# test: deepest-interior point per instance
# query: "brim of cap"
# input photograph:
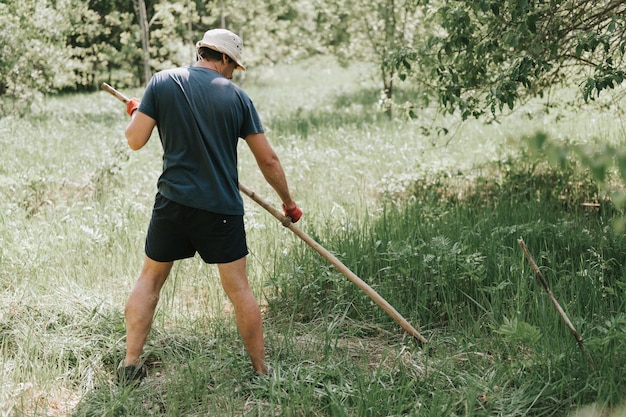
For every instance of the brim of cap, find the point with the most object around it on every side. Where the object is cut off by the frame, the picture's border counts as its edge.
(240, 66)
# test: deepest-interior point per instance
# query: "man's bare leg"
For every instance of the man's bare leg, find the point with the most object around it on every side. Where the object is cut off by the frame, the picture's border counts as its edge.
(247, 313)
(141, 305)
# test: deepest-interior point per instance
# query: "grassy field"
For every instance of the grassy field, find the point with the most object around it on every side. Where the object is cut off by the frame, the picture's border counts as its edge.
(431, 222)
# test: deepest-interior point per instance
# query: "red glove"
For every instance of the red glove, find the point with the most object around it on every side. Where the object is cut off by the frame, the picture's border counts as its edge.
(294, 212)
(131, 106)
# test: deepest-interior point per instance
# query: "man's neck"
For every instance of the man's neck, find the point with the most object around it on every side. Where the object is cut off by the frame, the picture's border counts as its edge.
(212, 65)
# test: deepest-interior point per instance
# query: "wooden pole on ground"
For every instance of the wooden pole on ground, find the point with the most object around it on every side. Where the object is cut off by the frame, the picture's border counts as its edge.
(554, 301)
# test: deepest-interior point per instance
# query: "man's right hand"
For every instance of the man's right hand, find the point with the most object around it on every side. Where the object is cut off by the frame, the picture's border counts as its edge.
(294, 212)
(132, 106)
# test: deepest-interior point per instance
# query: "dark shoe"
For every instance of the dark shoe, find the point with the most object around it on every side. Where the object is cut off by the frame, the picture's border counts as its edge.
(131, 375)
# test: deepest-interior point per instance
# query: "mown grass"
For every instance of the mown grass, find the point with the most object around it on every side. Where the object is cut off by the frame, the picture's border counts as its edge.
(432, 227)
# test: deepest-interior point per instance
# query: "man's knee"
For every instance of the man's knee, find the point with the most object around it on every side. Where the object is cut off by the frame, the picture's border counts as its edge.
(241, 297)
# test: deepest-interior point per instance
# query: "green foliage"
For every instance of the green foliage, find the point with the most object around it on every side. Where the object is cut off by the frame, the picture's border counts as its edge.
(33, 53)
(519, 332)
(487, 55)
(103, 45)
(62, 45)
(475, 58)
(383, 32)
(75, 45)
(606, 164)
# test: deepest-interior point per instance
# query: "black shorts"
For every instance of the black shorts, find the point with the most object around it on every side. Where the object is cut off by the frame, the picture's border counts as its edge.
(177, 232)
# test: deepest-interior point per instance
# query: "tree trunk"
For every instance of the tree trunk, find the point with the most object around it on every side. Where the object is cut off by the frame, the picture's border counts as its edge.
(389, 95)
(388, 90)
(142, 16)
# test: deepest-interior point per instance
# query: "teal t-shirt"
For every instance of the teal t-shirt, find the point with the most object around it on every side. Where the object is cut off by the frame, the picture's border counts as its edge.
(200, 116)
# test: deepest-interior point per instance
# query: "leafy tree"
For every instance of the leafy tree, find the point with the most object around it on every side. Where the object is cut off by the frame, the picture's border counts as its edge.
(174, 30)
(33, 50)
(382, 31)
(169, 34)
(103, 45)
(272, 30)
(50, 46)
(486, 55)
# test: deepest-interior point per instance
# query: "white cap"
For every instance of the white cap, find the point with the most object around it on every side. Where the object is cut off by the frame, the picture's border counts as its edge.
(224, 41)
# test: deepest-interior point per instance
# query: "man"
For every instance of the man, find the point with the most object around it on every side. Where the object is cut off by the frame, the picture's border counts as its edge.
(200, 116)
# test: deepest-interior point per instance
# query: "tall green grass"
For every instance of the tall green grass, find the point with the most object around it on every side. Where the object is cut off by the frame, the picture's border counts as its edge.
(430, 222)
(448, 259)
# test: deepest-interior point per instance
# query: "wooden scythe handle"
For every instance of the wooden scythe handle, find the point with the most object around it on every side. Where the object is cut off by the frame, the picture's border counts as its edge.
(121, 97)
(286, 221)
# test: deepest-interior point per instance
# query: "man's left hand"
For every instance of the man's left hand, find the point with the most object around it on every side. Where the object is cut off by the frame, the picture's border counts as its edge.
(132, 106)
(293, 212)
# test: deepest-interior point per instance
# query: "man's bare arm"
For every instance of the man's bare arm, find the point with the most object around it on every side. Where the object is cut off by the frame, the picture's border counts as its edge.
(139, 130)
(270, 166)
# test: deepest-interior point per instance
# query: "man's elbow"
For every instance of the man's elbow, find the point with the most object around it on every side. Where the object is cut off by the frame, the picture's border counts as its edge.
(268, 160)
(133, 142)
(134, 146)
